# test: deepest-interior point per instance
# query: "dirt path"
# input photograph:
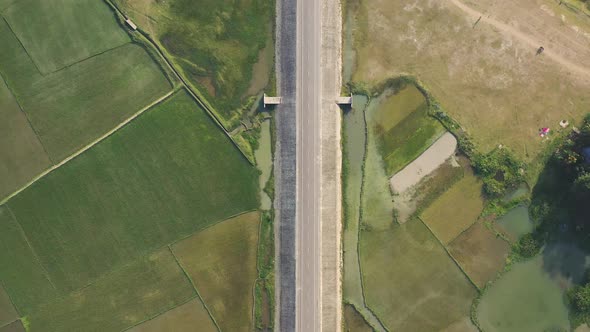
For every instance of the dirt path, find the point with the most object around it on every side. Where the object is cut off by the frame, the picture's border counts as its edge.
(533, 43)
(88, 146)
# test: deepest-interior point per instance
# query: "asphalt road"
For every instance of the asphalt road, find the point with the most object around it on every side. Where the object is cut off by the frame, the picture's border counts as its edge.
(308, 105)
(286, 165)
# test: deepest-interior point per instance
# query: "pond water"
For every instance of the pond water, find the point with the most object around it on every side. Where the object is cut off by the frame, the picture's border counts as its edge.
(264, 163)
(517, 193)
(524, 299)
(516, 222)
(353, 155)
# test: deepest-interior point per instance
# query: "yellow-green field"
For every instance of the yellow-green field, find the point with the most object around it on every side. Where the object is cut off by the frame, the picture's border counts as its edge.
(221, 261)
(122, 298)
(191, 316)
(23, 156)
(456, 209)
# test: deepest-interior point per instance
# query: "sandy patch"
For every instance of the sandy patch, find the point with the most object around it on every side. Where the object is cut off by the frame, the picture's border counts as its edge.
(428, 161)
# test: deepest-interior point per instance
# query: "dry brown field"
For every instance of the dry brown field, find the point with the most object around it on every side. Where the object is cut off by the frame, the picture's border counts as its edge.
(485, 75)
(480, 253)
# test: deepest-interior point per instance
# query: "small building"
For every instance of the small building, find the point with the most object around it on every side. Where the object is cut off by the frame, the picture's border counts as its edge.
(268, 101)
(131, 24)
(344, 101)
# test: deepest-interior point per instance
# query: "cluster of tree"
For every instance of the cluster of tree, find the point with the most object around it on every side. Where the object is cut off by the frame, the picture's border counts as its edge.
(576, 163)
(579, 299)
(500, 171)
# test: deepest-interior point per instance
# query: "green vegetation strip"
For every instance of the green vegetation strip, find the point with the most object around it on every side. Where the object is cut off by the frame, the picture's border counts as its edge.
(215, 44)
(164, 176)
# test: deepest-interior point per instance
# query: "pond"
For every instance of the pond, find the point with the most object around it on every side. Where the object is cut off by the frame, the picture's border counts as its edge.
(516, 222)
(520, 191)
(524, 299)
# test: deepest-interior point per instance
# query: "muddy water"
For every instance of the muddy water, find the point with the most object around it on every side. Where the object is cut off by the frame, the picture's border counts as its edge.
(516, 222)
(377, 201)
(527, 298)
(264, 163)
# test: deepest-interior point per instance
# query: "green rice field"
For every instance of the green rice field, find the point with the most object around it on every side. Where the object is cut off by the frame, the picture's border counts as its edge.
(72, 107)
(141, 188)
(404, 129)
(59, 33)
(23, 156)
(221, 261)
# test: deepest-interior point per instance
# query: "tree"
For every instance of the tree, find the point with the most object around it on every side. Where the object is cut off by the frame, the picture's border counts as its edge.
(580, 299)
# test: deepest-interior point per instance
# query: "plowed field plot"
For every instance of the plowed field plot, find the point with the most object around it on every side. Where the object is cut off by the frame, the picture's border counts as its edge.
(221, 261)
(480, 253)
(23, 156)
(189, 317)
(224, 47)
(7, 312)
(58, 33)
(456, 209)
(166, 175)
(74, 106)
(121, 299)
(410, 281)
(13, 327)
(353, 321)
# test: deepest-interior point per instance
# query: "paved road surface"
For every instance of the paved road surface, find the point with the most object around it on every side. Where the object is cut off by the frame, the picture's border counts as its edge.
(285, 164)
(308, 105)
